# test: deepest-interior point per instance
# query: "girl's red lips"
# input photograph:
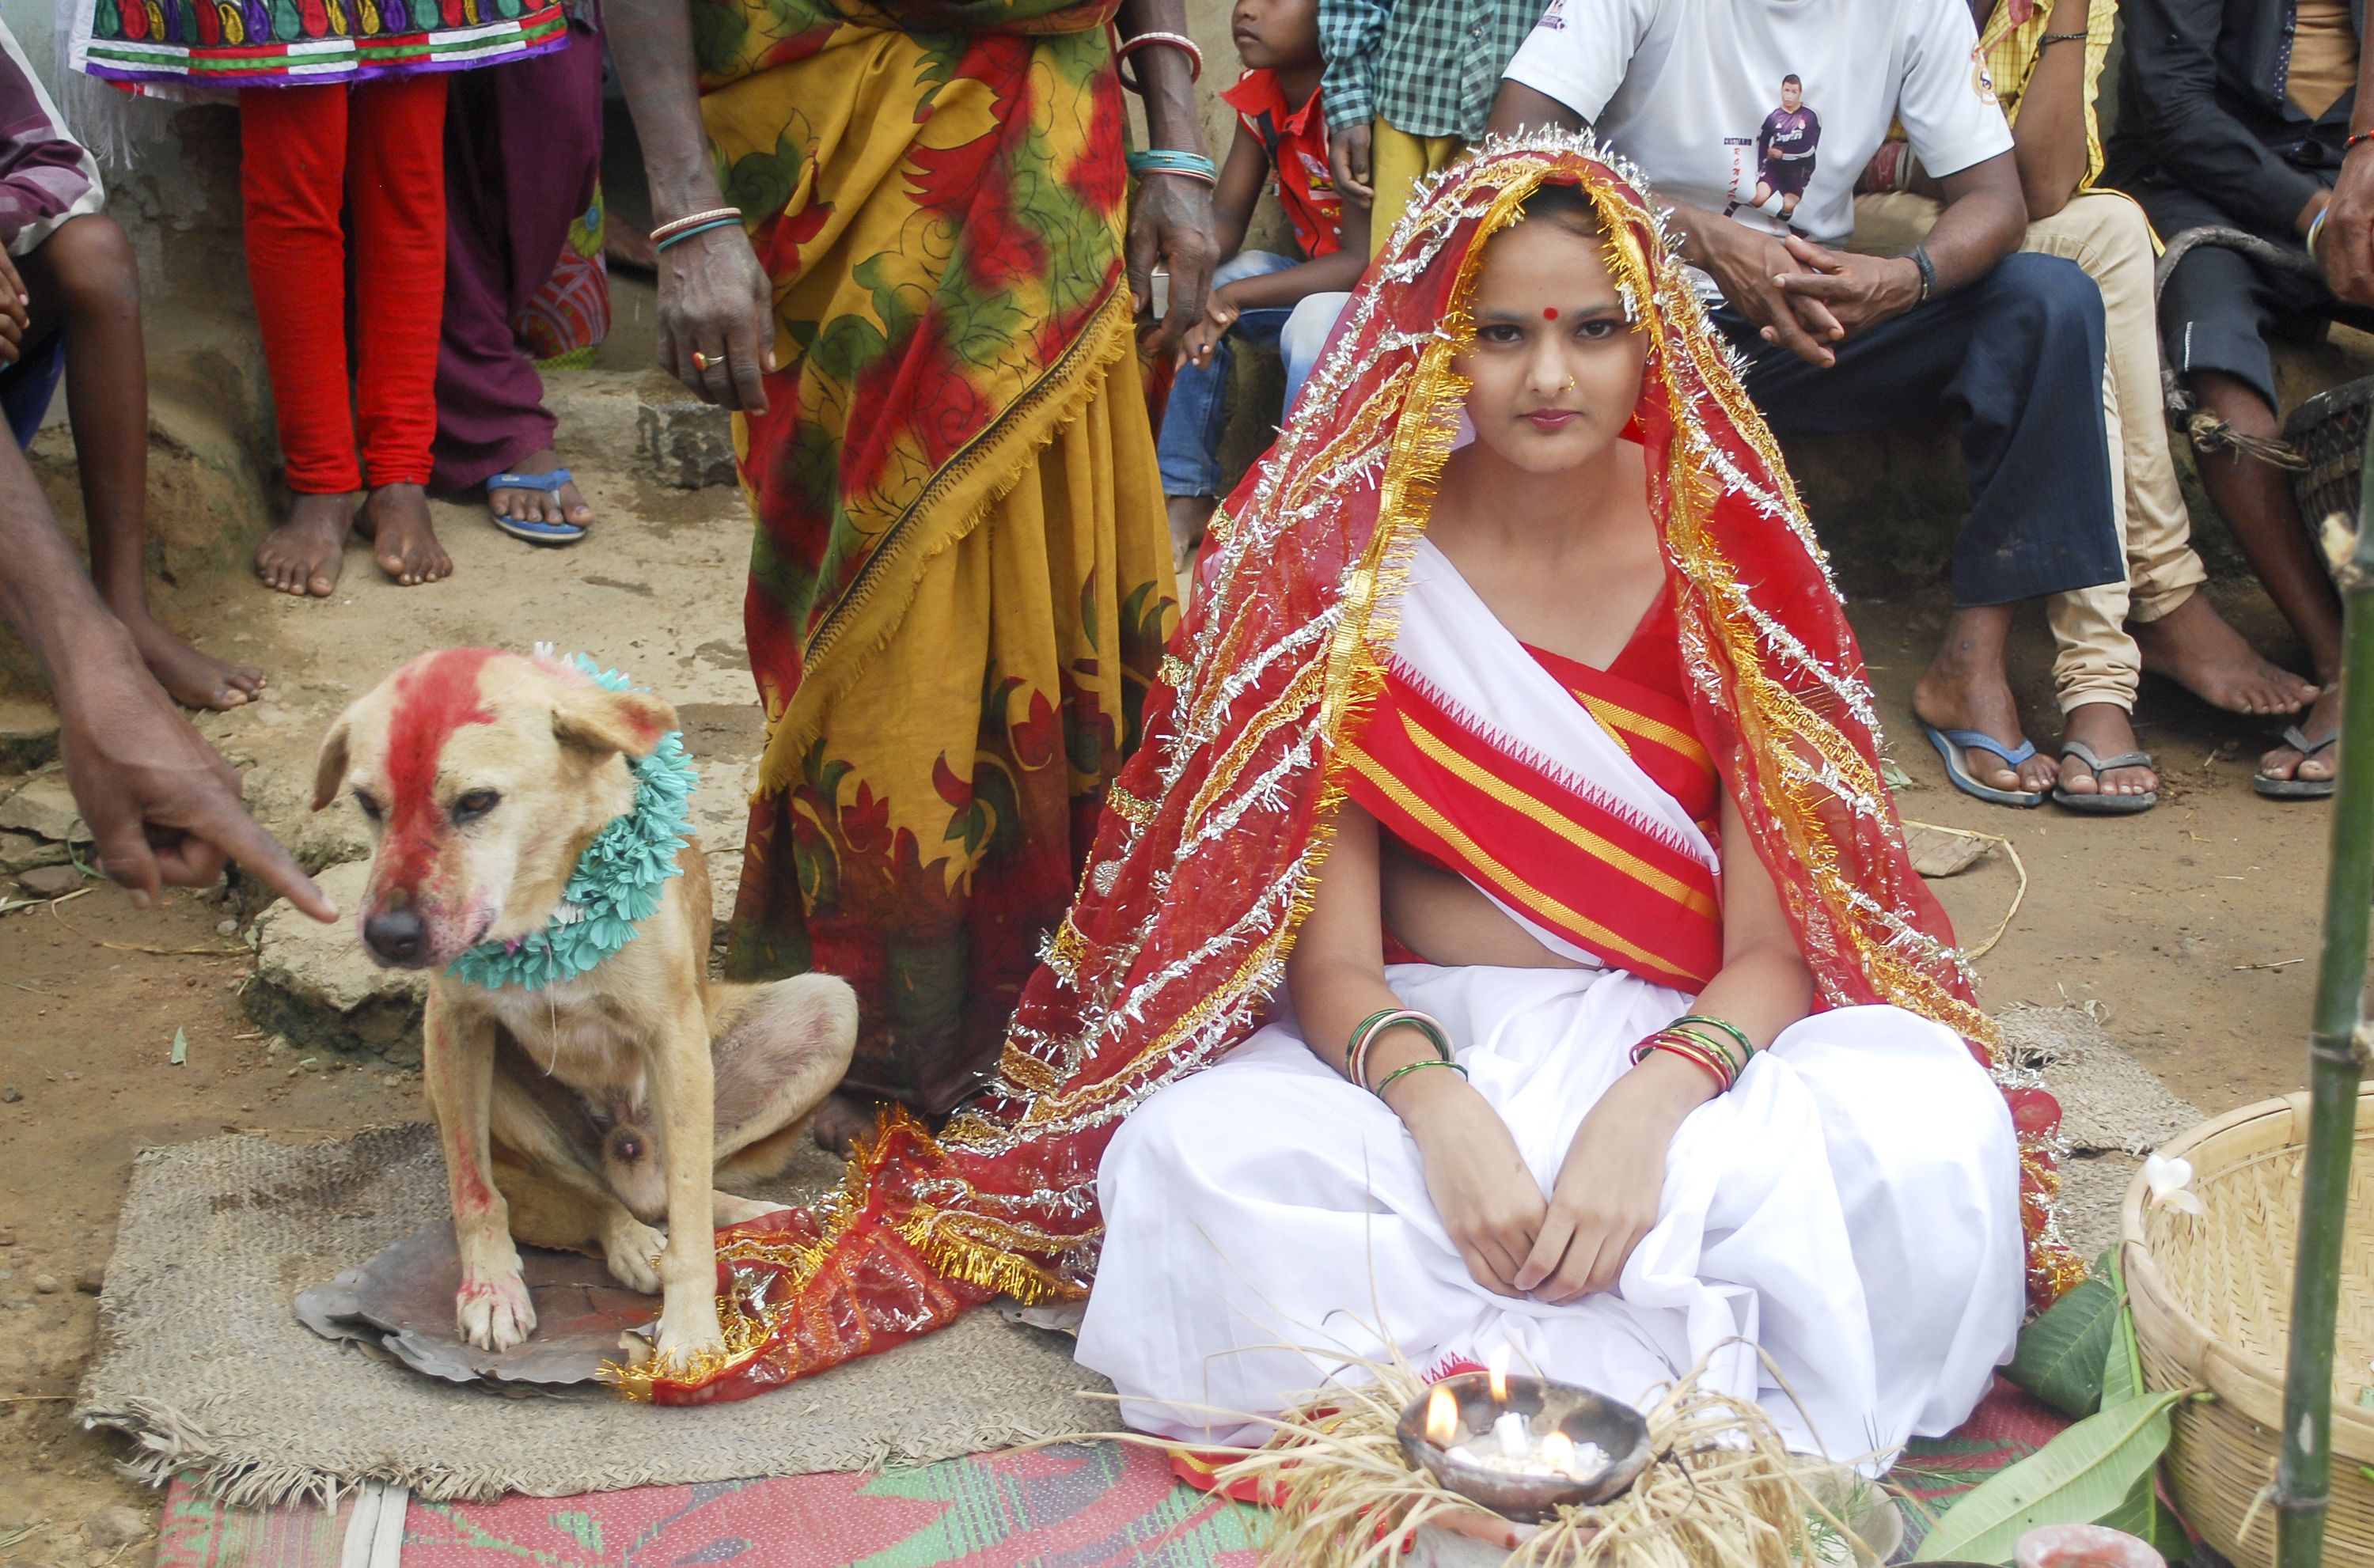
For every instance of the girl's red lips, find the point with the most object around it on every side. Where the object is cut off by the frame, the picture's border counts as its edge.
(1551, 418)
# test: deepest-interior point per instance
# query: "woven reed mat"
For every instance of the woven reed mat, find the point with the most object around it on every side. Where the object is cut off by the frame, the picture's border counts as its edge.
(203, 1363)
(2113, 1112)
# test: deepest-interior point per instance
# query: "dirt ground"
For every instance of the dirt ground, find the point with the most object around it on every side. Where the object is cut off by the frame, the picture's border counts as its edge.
(2194, 925)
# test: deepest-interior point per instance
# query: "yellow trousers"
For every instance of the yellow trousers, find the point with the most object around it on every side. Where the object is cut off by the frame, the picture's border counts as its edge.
(1397, 162)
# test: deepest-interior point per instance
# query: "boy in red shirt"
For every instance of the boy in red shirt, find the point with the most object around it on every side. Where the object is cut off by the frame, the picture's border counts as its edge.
(1259, 296)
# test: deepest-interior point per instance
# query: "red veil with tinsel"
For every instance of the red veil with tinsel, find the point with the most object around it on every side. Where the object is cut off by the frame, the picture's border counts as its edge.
(1205, 856)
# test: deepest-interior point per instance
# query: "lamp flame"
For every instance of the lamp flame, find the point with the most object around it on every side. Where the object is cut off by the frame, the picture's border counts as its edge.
(1441, 1417)
(1558, 1453)
(1497, 1367)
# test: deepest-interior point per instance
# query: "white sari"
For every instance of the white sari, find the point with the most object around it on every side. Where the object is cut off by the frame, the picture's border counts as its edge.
(1849, 1208)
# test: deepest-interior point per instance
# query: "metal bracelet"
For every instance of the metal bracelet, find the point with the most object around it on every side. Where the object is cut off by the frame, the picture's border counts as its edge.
(681, 225)
(1928, 273)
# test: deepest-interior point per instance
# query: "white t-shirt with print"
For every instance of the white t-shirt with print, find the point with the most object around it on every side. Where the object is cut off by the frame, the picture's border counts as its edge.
(1692, 91)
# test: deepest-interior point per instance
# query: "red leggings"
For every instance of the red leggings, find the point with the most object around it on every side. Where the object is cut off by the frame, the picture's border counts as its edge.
(381, 145)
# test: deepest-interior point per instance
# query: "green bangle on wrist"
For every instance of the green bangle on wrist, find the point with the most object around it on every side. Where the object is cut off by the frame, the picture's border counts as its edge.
(1422, 1062)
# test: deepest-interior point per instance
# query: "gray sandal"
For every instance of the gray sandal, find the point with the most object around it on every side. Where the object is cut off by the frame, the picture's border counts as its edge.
(2098, 803)
(2296, 788)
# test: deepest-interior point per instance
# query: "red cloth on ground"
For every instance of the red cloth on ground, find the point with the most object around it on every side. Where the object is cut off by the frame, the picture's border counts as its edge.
(379, 145)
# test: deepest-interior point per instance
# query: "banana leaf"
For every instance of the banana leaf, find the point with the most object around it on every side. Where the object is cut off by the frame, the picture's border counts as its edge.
(2080, 1478)
(2061, 1355)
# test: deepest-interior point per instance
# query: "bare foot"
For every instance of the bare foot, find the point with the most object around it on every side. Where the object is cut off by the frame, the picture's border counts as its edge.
(1188, 514)
(190, 677)
(566, 505)
(840, 1121)
(2322, 721)
(305, 554)
(2193, 645)
(1960, 699)
(2105, 728)
(394, 517)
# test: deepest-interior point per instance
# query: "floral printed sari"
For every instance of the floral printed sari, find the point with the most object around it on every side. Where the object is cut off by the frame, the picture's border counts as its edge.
(962, 579)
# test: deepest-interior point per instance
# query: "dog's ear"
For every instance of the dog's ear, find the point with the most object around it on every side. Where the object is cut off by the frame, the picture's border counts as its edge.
(600, 722)
(330, 771)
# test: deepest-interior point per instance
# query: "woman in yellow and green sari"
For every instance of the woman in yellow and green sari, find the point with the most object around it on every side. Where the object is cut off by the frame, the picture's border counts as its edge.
(961, 580)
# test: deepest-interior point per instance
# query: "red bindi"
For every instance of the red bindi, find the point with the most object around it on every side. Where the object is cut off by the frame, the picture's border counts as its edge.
(1551, 315)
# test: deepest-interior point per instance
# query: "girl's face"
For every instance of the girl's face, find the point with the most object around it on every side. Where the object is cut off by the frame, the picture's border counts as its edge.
(1554, 369)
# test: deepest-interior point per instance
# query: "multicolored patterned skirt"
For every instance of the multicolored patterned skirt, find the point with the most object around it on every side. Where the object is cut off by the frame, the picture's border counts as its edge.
(961, 582)
(257, 43)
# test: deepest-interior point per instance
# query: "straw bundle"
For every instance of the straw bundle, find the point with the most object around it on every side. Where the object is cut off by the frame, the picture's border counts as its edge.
(1724, 1491)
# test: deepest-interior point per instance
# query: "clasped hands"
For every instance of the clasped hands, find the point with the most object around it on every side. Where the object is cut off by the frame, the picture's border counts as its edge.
(1804, 296)
(1575, 1242)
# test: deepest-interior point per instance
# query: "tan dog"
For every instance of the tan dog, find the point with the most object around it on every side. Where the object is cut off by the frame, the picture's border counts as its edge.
(573, 1114)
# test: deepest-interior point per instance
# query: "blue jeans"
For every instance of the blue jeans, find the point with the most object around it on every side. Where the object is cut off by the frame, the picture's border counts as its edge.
(1196, 414)
(2016, 360)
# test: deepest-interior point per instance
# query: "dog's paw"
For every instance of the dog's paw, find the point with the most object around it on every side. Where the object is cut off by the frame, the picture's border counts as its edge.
(689, 1334)
(494, 1314)
(632, 1249)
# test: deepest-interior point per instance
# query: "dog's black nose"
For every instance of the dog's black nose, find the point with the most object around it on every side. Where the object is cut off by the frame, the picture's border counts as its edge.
(399, 936)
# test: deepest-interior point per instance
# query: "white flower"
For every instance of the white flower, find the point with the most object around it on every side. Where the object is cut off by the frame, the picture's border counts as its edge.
(544, 650)
(2170, 1182)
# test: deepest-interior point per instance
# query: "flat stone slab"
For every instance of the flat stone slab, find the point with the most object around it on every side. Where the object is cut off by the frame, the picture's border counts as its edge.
(315, 984)
(45, 808)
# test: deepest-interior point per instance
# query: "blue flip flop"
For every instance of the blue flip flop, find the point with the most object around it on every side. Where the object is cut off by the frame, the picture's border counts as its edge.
(536, 531)
(1951, 743)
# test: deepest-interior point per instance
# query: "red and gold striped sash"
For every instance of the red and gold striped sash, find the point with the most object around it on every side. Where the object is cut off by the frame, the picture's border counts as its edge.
(1535, 837)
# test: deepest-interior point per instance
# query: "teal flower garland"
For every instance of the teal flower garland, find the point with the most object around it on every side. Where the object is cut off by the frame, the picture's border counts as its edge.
(618, 881)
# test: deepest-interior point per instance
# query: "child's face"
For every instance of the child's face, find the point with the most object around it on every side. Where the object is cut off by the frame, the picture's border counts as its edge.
(1272, 35)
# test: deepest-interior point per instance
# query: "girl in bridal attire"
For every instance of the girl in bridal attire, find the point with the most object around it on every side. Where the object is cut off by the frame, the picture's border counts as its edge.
(1503, 936)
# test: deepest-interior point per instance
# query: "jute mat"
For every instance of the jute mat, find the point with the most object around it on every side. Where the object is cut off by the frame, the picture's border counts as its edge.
(204, 1363)
(2113, 1112)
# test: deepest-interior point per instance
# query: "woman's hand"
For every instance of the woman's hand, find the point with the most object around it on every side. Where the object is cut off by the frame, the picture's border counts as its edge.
(1488, 1199)
(717, 317)
(1171, 222)
(1608, 1188)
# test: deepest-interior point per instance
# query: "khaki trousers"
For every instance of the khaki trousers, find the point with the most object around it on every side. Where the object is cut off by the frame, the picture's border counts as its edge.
(2095, 660)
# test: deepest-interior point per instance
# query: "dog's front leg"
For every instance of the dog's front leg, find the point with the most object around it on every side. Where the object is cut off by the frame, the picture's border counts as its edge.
(682, 1094)
(491, 1308)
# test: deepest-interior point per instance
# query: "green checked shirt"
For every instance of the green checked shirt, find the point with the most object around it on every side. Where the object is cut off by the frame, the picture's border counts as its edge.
(1430, 67)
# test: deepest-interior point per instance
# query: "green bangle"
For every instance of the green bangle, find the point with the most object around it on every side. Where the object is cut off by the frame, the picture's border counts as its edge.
(1361, 1031)
(1412, 1067)
(1734, 1030)
(1709, 1042)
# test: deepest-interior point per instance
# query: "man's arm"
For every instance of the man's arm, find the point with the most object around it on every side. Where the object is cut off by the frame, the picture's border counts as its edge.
(161, 804)
(2345, 244)
(1984, 221)
(1521, 108)
(2171, 48)
(2048, 142)
(1350, 32)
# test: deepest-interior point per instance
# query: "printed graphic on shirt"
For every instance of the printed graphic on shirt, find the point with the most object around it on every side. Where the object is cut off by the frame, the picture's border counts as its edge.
(1778, 162)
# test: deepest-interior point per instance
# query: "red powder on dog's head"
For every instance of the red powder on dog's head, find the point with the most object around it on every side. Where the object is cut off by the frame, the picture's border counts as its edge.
(434, 697)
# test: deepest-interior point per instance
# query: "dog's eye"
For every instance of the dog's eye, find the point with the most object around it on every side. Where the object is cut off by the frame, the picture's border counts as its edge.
(474, 804)
(370, 807)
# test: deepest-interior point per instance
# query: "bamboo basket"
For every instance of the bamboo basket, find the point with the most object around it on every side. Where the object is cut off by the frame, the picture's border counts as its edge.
(2212, 1302)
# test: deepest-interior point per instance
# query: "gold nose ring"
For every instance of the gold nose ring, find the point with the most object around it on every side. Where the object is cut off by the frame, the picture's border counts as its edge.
(1569, 384)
